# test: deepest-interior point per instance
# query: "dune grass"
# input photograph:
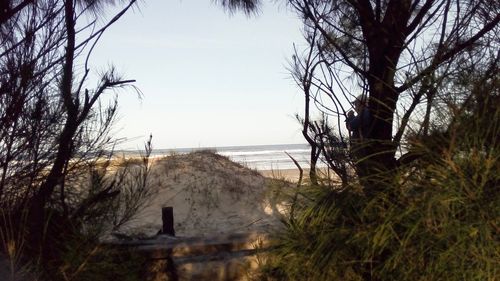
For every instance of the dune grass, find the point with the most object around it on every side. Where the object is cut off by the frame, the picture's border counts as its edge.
(437, 218)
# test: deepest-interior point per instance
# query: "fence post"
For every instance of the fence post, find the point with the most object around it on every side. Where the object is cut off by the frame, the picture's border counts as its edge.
(167, 217)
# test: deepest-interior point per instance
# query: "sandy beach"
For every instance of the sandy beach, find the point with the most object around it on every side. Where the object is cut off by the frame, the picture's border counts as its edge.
(291, 175)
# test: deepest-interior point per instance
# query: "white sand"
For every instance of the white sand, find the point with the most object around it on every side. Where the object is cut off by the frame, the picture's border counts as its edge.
(291, 175)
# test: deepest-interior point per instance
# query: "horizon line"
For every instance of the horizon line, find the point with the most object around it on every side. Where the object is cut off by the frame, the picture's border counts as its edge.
(213, 147)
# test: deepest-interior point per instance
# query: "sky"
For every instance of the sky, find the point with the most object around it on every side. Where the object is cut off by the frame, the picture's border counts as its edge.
(208, 78)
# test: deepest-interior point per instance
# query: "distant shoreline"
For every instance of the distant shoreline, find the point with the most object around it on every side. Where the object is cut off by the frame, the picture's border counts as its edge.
(210, 148)
(262, 157)
(286, 174)
(289, 174)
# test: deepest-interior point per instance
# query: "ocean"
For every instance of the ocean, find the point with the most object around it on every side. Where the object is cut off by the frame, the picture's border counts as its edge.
(260, 157)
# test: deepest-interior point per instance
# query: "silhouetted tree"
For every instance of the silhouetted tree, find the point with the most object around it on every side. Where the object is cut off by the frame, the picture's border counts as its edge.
(397, 52)
(53, 124)
(400, 54)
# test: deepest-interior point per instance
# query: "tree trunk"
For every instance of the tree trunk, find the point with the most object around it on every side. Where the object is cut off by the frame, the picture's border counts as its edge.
(385, 42)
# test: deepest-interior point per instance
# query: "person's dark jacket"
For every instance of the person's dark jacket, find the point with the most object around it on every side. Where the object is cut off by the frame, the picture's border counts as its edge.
(359, 125)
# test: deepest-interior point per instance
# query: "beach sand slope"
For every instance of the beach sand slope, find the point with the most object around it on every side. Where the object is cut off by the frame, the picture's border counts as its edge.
(210, 195)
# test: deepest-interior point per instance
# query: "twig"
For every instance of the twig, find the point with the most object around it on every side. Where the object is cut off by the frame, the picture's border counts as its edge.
(298, 166)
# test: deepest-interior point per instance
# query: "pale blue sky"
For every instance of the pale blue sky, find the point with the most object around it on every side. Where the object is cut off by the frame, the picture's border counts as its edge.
(208, 78)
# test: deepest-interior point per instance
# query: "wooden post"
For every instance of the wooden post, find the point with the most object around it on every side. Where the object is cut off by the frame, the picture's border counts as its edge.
(167, 217)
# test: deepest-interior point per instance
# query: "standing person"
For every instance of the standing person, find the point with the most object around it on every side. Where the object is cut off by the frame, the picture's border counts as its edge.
(359, 125)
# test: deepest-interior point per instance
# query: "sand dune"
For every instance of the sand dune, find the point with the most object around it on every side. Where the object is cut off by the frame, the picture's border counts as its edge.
(210, 195)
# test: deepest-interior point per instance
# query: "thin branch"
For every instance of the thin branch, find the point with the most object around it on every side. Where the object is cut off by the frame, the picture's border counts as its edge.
(438, 60)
